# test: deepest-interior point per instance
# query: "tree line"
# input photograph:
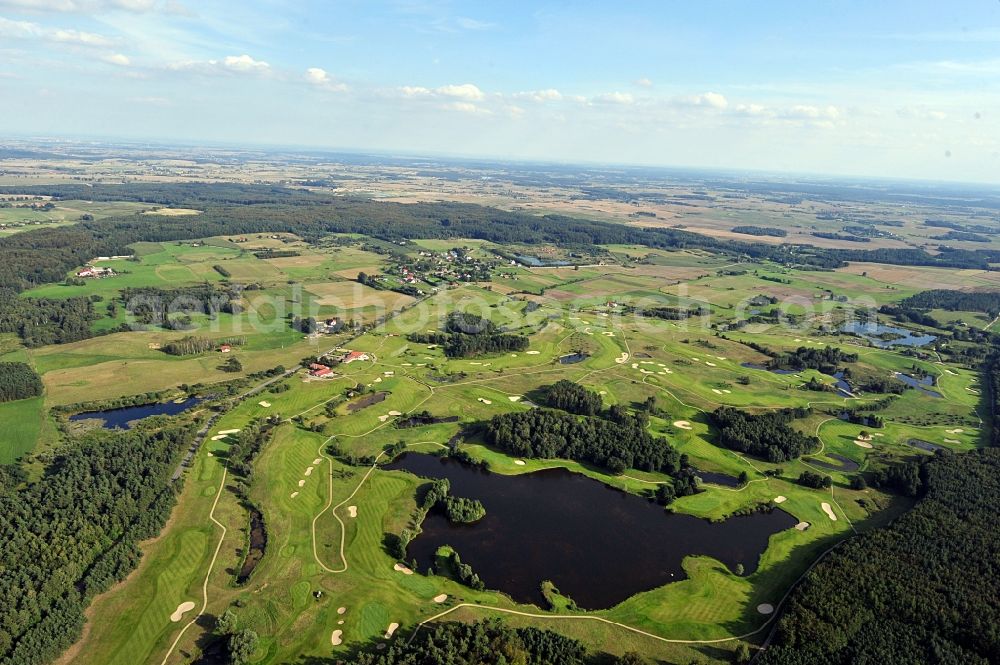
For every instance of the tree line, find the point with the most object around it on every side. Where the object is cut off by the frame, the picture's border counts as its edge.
(922, 590)
(74, 533)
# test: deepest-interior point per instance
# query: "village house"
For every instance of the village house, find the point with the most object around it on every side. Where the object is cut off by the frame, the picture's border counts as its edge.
(319, 371)
(95, 272)
(351, 356)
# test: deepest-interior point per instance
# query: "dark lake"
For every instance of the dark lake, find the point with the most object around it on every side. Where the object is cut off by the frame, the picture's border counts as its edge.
(121, 418)
(597, 544)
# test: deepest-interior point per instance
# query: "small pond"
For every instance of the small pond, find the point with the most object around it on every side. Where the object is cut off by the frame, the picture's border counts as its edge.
(597, 544)
(919, 384)
(124, 417)
(841, 463)
(894, 336)
(573, 358)
(768, 369)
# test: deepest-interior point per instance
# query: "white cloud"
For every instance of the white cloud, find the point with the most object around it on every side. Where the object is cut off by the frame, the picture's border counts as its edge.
(467, 107)
(622, 98)
(231, 64)
(94, 6)
(472, 24)
(812, 112)
(464, 91)
(321, 79)
(119, 59)
(710, 99)
(244, 63)
(547, 95)
(644, 83)
(29, 30)
(414, 91)
(79, 38)
(317, 75)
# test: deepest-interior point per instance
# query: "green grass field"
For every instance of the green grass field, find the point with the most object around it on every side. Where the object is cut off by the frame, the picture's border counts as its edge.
(306, 497)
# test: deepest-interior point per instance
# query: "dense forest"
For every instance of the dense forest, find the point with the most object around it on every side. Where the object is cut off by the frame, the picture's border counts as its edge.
(571, 397)
(170, 307)
(825, 359)
(987, 302)
(470, 335)
(751, 230)
(922, 590)
(765, 435)
(41, 321)
(18, 381)
(619, 443)
(73, 534)
(488, 642)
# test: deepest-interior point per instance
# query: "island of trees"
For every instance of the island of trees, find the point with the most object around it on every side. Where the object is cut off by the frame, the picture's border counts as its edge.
(467, 335)
(765, 435)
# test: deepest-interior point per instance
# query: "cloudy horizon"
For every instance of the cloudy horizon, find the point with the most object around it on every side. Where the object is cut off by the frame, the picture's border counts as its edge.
(898, 91)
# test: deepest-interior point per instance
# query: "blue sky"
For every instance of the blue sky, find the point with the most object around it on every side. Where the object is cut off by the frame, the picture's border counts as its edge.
(897, 89)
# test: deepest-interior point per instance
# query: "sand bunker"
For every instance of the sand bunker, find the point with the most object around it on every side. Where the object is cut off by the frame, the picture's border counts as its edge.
(178, 614)
(378, 379)
(383, 418)
(863, 444)
(829, 511)
(957, 430)
(341, 610)
(389, 373)
(318, 460)
(710, 364)
(229, 431)
(391, 629)
(400, 568)
(218, 437)
(309, 471)
(728, 392)
(532, 353)
(301, 483)
(519, 462)
(440, 599)
(780, 499)
(485, 401)
(407, 364)
(682, 424)
(513, 398)
(621, 359)
(721, 357)
(802, 526)
(716, 391)
(395, 413)
(293, 495)
(352, 511)
(264, 403)
(765, 608)
(336, 638)
(952, 441)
